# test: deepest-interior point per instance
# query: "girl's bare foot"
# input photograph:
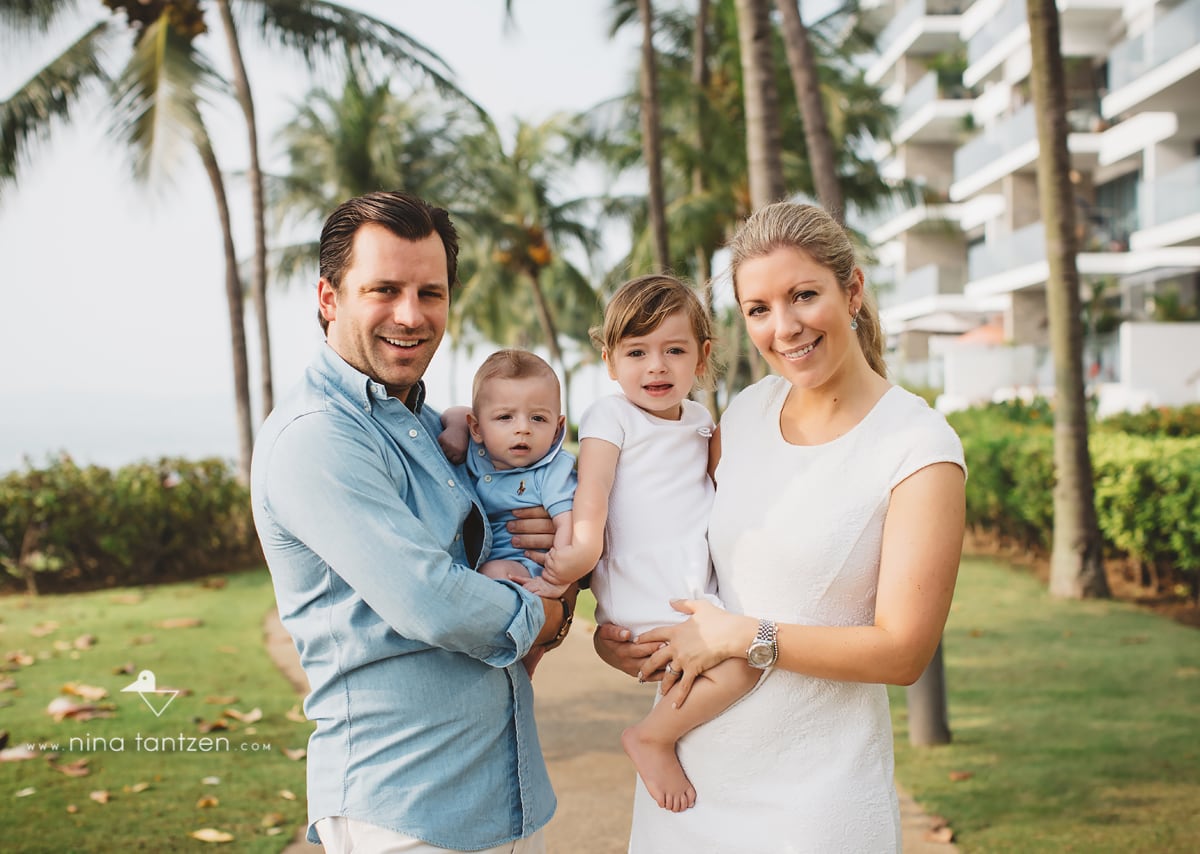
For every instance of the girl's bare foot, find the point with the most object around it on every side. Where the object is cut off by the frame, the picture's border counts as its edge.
(660, 770)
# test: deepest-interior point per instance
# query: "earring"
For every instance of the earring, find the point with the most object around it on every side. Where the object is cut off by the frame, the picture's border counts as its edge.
(854, 321)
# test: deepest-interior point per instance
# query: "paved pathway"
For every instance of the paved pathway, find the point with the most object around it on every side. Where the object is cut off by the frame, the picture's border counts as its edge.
(582, 706)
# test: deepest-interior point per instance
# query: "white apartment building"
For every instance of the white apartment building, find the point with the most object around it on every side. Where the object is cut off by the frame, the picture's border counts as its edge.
(962, 265)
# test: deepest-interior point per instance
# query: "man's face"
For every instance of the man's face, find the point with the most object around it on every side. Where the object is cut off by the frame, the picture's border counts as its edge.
(388, 317)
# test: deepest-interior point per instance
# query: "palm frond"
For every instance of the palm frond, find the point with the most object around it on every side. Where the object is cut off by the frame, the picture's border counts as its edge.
(50, 94)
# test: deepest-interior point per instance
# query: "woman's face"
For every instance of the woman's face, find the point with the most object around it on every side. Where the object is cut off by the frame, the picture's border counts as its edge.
(798, 316)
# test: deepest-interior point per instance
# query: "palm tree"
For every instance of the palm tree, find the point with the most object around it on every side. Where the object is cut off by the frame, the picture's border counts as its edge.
(363, 138)
(764, 139)
(313, 28)
(803, 65)
(517, 236)
(1076, 560)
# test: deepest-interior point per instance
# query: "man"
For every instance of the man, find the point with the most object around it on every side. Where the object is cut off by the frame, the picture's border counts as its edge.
(425, 738)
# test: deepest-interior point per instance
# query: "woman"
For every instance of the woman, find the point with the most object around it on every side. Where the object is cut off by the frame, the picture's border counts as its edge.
(835, 536)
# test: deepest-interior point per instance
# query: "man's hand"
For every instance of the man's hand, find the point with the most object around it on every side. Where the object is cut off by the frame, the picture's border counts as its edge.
(558, 619)
(533, 531)
(615, 646)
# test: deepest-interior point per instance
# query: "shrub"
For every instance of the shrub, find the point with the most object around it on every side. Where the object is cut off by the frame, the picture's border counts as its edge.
(1147, 489)
(70, 527)
(1164, 421)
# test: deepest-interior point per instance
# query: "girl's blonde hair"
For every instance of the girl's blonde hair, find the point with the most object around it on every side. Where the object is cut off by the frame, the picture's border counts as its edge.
(815, 233)
(640, 305)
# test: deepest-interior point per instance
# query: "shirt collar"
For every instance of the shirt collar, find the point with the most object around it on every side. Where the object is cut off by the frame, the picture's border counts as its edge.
(357, 385)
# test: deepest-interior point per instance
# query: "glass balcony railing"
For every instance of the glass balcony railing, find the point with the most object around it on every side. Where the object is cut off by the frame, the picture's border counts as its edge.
(927, 281)
(994, 142)
(914, 11)
(1011, 16)
(1021, 248)
(1175, 32)
(1171, 196)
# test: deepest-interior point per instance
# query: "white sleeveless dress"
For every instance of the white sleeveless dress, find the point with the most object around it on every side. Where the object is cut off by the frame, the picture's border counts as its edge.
(655, 543)
(800, 764)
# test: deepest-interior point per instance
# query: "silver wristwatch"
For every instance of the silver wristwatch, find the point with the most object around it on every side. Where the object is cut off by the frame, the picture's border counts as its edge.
(763, 649)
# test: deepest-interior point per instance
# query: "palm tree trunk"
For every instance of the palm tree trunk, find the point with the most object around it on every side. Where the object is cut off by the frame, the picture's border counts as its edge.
(233, 296)
(803, 66)
(651, 138)
(258, 278)
(1076, 562)
(546, 318)
(701, 79)
(764, 138)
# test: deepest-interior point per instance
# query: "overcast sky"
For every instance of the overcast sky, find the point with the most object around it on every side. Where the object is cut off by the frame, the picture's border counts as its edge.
(116, 341)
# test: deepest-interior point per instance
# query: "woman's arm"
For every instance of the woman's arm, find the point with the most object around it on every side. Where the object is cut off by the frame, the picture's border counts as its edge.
(922, 544)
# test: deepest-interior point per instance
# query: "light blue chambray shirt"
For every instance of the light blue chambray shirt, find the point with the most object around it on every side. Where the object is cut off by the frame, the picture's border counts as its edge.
(423, 709)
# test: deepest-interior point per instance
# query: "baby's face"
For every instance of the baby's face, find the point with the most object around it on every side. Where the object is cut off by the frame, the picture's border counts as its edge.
(517, 420)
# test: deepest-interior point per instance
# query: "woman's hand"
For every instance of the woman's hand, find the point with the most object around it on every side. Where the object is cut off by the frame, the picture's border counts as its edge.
(693, 646)
(616, 647)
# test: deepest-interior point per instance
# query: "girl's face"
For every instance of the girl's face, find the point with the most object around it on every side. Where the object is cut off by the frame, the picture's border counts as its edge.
(657, 370)
(798, 316)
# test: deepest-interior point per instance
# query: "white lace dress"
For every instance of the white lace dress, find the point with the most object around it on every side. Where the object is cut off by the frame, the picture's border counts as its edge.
(800, 764)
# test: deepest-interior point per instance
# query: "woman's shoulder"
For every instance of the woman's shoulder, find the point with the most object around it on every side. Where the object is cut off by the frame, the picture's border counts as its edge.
(918, 434)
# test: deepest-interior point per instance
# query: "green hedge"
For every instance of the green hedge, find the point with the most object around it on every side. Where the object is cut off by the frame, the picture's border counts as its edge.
(1164, 421)
(70, 527)
(1147, 489)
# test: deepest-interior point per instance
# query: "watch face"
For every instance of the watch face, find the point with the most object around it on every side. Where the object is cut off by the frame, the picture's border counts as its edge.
(760, 654)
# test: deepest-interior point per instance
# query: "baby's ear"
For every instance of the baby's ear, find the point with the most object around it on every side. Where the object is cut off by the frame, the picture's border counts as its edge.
(473, 427)
(562, 422)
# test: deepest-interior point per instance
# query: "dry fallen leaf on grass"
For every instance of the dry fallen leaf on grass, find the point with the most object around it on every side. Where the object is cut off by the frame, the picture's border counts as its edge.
(211, 834)
(19, 656)
(126, 598)
(295, 755)
(61, 708)
(100, 796)
(294, 714)
(87, 692)
(218, 700)
(274, 831)
(72, 809)
(211, 781)
(137, 787)
(18, 754)
(44, 628)
(78, 768)
(26, 792)
(959, 776)
(287, 794)
(941, 834)
(209, 726)
(141, 640)
(7, 683)
(123, 669)
(250, 717)
(272, 819)
(207, 802)
(84, 642)
(179, 623)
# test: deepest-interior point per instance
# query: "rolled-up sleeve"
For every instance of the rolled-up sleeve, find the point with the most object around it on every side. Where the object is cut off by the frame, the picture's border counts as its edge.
(359, 516)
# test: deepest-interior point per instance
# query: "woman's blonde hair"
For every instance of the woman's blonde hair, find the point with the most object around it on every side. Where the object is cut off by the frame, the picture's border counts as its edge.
(815, 233)
(640, 305)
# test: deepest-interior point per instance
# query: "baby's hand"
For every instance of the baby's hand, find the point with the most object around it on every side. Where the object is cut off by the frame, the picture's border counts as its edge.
(540, 586)
(455, 436)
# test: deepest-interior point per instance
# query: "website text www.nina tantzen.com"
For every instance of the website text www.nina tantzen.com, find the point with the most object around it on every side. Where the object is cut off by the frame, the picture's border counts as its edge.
(151, 744)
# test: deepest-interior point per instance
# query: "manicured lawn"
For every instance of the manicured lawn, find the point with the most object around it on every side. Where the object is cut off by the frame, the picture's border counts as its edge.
(1076, 725)
(163, 780)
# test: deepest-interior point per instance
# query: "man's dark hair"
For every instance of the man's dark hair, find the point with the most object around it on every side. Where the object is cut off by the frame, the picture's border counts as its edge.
(403, 214)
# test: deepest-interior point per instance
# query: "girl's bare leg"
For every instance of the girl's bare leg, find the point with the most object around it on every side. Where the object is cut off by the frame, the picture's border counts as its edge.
(651, 743)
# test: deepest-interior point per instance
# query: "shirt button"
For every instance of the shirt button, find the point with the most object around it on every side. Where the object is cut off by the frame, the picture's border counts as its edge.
(457, 537)
(481, 452)
(450, 482)
(412, 433)
(487, 478)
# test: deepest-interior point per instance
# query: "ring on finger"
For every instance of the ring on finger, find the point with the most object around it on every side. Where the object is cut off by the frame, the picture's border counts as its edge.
(670, 670)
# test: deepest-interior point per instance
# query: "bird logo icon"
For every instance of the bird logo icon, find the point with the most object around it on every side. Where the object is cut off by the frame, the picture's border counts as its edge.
(147, 684)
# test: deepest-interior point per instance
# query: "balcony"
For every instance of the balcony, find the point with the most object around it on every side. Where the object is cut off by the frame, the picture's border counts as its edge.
(932, 111)
(1021, 248)
(929, 281)
(920, 28)
(993, 143)
(983, 49)
(1169, 209)
(1159, 68)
